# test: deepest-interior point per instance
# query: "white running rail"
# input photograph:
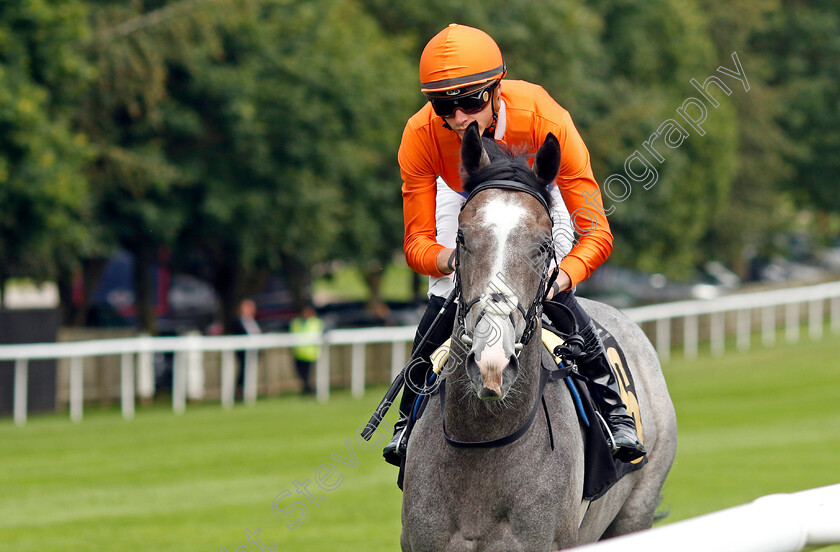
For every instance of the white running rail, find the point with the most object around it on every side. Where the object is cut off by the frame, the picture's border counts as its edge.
(775, 523)
(136, 353)
(765, 302)
(136, 362)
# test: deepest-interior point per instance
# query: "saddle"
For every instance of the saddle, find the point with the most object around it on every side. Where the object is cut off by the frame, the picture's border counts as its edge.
(601, 469)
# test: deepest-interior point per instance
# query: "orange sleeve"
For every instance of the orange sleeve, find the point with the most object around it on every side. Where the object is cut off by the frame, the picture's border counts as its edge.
(583, 199)
(419, 193)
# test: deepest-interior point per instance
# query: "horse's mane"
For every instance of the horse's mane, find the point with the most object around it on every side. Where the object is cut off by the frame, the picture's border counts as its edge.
(506, 164)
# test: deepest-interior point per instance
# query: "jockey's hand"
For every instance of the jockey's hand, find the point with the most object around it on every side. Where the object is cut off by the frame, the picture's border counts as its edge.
(446, 260)
(562, 283)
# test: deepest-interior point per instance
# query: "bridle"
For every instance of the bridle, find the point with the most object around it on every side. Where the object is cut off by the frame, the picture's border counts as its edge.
(532, 315)
(549, 370)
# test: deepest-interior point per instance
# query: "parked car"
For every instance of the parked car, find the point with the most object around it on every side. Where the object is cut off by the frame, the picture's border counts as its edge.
(180, 301)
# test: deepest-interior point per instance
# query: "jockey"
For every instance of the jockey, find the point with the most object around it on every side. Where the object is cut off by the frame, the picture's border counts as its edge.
(461, 74)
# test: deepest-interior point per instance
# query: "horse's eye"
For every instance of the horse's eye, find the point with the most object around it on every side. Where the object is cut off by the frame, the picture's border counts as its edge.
(460, 238)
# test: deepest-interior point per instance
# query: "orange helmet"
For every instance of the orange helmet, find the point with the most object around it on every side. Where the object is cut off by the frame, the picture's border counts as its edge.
(459, 57)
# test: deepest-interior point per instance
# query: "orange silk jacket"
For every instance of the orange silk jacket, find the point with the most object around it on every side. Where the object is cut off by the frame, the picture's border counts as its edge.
(528, 114)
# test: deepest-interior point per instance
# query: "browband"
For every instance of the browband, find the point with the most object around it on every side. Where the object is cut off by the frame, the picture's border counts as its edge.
(509, 185)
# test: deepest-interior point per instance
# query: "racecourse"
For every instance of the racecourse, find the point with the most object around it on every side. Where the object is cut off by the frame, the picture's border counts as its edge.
(750, 423)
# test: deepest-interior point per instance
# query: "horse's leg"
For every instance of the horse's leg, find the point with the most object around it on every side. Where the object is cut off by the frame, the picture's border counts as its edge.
(638, 510)
(405, 546)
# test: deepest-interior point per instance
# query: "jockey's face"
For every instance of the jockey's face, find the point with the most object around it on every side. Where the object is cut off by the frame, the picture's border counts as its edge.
(459, 121)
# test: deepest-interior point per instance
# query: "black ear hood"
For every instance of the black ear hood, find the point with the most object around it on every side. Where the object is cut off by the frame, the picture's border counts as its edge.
(547, 161)
(484, 159)
(473, 155)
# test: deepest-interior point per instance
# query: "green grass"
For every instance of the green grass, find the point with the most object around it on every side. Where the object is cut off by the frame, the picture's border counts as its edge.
(754, 423)
(750, 424)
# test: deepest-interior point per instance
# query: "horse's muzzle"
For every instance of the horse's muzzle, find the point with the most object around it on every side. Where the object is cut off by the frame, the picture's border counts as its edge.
(492, 380)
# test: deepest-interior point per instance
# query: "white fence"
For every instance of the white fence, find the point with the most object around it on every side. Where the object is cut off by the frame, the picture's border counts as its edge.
(136, 370)
(765, 303)
(774, 523)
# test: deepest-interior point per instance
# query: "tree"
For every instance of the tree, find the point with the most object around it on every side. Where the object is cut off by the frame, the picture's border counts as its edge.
(44, 206)
(758, 209)
(653, 50)
(379, 95)
(802, 45)
(132, 47)
(287, 136)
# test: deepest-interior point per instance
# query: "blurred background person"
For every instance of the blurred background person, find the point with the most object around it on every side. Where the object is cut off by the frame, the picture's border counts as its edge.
(245, 324)
(306, 324)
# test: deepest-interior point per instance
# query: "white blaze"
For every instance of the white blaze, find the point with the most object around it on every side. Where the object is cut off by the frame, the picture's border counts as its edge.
(498, 300)
(502, 217)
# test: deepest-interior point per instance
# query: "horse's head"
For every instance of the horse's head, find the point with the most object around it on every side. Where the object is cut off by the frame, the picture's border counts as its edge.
(504, 248)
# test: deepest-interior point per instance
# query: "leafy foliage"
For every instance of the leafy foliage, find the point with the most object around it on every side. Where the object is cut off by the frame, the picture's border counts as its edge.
(258, 137)
(289, 137)
(803, 41)
(43, 208)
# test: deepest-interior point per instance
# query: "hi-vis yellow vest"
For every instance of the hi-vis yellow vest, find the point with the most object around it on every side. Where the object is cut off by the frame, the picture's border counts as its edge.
(310, 326)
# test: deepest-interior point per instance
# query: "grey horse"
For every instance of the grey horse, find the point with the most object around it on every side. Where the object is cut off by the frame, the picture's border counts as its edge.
(523, 496)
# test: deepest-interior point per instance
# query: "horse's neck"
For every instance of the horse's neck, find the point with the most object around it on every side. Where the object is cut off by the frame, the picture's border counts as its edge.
(469, 418)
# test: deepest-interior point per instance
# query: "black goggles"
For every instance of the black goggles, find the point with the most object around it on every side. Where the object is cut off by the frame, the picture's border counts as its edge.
(470, 103)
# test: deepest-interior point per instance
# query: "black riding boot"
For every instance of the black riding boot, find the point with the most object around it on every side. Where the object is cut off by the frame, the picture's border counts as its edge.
(417, 373)
(601, 381)
(395, 449)
(603, 387)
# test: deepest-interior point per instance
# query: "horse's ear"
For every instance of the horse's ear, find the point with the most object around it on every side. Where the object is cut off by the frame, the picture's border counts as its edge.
(547, 162)
(473, 155)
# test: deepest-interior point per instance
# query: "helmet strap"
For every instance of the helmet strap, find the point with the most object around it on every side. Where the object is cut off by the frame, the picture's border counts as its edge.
(490, 131)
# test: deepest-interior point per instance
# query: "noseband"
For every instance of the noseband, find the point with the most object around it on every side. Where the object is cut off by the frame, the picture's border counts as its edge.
(532, 315)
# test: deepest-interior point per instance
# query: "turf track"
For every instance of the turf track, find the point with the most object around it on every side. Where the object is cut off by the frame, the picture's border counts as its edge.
(750, 424)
